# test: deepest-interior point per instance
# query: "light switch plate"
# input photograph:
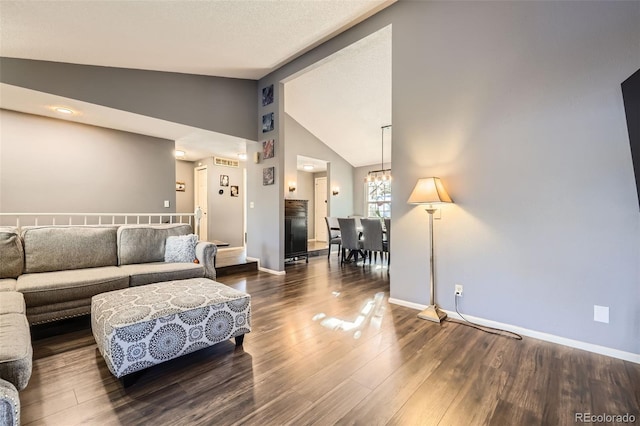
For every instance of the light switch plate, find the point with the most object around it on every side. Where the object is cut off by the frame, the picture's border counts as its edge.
(166, 203)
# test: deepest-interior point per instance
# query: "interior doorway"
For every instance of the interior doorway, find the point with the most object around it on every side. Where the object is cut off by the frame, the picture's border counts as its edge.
(320, 209)
(201, 200)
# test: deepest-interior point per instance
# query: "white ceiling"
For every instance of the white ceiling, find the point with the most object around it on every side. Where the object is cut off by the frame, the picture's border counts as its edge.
(318, 165)
(343, 101)
(240, 39)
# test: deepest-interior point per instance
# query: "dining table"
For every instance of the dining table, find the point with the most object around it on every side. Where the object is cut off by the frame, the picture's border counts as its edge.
(359, 231)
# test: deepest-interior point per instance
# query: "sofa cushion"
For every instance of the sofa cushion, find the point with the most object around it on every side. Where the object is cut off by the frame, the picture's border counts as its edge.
(146, 243)
(8, 284)
(11, 252)
(12, 302)
(15, 350)
(157, 272)
(54, 287)
(180, 248)
(61, 248)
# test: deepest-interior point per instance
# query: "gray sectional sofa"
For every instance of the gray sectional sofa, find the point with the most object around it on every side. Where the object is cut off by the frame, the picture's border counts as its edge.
(48, 273)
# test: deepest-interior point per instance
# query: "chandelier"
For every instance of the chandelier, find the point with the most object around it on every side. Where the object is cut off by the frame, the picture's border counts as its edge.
(383, 174)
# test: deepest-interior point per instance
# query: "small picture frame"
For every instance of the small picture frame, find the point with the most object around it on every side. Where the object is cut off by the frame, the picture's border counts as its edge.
(224, 180)
(267, 122)
(181, 187)
(234, 191)
(267, 95)
(268, 148)
(268, 176)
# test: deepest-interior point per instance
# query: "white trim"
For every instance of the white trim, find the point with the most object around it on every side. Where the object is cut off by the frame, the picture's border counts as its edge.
(406, 304)
(146, 218)
(260, 268)
(602, 350)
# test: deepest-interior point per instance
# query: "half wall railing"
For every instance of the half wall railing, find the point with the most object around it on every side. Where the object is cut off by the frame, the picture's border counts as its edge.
(41, 219)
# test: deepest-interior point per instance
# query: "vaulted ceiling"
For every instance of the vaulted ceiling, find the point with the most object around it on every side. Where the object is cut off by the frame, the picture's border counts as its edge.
(240, 39)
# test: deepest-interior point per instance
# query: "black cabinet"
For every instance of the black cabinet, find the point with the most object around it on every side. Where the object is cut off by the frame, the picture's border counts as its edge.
(295, 229)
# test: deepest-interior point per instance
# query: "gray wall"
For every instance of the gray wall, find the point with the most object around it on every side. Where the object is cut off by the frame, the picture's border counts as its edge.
(339, 172)
(225, 213)
(265, 213)
(51, 166)
(224, 105)
(184, 173)
(521, 115)
(517, 107)
(265, 226)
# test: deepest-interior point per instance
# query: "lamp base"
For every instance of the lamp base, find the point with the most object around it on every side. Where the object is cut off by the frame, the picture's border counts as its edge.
(432, 313)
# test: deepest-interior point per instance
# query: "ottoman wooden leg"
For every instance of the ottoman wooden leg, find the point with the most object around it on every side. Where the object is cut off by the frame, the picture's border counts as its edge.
(131, 378)
(239, 340)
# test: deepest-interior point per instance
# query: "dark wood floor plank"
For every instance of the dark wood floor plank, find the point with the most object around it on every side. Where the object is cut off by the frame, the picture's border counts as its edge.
(293, 369)
(441, 386)
(393, 393)
(333, 405)
(528, 383)
(633, 371)
(279, 411)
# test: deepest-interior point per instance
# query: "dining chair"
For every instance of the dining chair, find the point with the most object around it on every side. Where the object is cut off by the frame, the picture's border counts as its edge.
(333, 231)
(387, 245)
(358, 220)
(372, 238)
(349, 237)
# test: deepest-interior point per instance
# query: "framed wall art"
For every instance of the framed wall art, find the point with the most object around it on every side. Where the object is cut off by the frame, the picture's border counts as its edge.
(268, 148)
(268, 175)
(267, 122)
(234, 191)
(267, 95)
(224, 180)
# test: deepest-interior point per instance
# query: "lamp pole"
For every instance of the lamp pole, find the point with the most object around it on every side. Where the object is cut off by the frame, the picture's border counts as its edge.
(430, 191)
(431, 312)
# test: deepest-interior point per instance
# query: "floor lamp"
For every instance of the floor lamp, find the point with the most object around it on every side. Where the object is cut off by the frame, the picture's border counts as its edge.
(430, 192)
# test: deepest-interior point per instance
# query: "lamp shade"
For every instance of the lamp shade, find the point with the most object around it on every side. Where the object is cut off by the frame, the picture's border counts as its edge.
(429, 191)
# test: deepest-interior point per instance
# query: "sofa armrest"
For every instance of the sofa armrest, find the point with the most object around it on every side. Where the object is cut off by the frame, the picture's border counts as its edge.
(9, 404)
(206, 255)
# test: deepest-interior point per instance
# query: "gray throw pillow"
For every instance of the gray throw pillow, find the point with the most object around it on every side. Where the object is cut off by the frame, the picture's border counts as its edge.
(181, 248)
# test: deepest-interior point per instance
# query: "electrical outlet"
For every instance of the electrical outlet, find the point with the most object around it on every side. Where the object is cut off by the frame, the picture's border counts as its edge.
(601, 313)
(458, 290)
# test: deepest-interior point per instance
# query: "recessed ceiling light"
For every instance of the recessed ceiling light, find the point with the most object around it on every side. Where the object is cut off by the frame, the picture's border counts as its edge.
(308, 167)
(179, 154)
(242, 156)
(62, 110)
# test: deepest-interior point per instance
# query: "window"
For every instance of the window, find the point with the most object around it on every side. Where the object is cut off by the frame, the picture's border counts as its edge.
(378, 198)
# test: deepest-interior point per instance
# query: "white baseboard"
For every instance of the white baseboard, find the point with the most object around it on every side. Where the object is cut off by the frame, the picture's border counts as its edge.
(602, 350)
(260, 268)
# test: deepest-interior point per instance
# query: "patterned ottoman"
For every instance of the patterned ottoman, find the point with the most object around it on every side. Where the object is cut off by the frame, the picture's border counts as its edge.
(138, 327)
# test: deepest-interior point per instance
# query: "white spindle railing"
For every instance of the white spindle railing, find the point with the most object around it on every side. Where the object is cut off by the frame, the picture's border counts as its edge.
(19, 219)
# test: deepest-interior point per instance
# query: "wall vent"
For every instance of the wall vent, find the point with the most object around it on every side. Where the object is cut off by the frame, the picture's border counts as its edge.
(226, 162)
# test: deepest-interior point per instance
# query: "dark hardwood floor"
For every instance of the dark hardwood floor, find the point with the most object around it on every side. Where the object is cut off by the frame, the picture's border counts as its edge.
(301, 366)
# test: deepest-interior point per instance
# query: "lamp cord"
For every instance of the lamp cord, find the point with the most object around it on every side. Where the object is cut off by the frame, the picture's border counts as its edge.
(486, 329)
